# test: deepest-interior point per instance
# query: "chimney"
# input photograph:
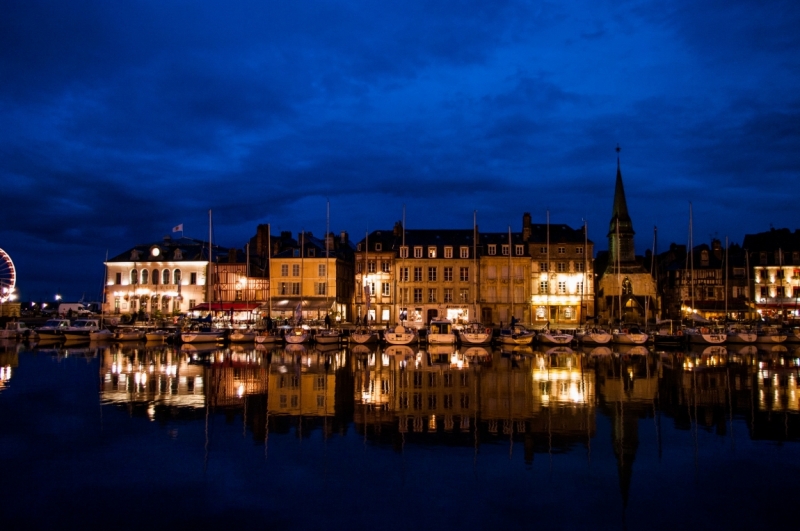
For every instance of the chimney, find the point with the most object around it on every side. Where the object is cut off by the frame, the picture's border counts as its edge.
(526, 226)
(344, 237)
(398, 229)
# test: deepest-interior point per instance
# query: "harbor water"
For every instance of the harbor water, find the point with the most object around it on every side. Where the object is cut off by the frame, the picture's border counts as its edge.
(140, 436)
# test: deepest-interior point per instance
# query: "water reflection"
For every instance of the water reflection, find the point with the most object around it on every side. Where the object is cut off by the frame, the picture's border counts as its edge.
(547, 398)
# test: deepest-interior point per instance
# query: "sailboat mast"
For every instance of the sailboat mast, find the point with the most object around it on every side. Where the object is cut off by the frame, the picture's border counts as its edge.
(619, 267)
(510, 284)
(585, 267)
(726, 279)
(269, 270)
(327, 256)
(475, 266)
(547, 268)
(209, 282)
(691, 258)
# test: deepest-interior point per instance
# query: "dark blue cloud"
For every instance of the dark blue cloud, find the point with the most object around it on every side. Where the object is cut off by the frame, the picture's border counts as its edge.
(120, 121)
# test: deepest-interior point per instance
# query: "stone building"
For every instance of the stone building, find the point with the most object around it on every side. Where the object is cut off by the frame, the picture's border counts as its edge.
(626, 291)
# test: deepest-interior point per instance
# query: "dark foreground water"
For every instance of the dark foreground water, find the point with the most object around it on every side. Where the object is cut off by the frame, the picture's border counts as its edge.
(153, 437)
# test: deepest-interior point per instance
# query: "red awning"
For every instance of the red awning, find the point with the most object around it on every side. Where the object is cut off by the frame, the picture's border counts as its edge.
(225, 307)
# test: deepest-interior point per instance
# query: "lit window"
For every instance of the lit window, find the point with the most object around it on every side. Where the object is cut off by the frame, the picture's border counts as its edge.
(431, 252)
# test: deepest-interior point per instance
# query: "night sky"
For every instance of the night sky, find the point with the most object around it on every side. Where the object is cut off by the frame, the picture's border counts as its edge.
(121, 120)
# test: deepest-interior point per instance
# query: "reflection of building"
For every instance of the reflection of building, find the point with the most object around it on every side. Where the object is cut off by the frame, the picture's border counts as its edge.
(303, 385)
(626, 291)
(158, 376)
(9, 360)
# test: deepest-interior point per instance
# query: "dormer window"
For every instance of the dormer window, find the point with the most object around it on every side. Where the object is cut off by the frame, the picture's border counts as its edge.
(448, 252)
(704, 257)
(311, 252)
(519, 250)
(403, 252)
(431, 252)
(417, 252)
(492, 249)
(178, 255)
(464, 252)
(378, 247)
(135, 255)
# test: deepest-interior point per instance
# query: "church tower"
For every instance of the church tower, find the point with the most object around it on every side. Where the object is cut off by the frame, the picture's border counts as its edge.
(626, 292)
(620, 232)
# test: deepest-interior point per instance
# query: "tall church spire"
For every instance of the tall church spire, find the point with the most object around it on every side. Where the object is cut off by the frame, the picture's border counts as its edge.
(620, 232)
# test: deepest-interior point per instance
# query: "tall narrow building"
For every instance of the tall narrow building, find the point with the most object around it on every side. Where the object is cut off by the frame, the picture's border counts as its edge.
(627, 291)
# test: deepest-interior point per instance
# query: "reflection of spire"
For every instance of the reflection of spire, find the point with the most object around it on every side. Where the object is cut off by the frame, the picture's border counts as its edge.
(625, 440)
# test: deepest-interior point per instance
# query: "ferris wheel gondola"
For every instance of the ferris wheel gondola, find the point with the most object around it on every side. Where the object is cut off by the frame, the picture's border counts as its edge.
(8, 277)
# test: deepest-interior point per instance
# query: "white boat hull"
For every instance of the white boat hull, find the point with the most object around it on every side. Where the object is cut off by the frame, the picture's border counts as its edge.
(623, 338)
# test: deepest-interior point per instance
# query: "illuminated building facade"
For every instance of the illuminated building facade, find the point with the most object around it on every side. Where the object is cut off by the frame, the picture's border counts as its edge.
(422, 274)
(314, 274)
(774, 258)
(167, 277)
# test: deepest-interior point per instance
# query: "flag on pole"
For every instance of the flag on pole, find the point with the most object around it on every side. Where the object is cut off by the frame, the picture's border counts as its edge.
(178, 228)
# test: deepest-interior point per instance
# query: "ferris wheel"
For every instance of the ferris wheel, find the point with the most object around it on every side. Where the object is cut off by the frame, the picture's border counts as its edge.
(8, 276)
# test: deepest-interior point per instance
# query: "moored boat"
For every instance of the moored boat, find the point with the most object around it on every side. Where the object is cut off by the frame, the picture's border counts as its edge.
(593, 336)
(518, 335)
(14, 330)
(81, 329)
(630, 335)
(705, 335)
(475, 334)
(547, 336)
(159, 335)
(440, 332)
(362, 336)
(401, 335)
(328, 336)
(242, 335)
(203, 336)
(297, 335)
(128, 334)
(51, 329)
